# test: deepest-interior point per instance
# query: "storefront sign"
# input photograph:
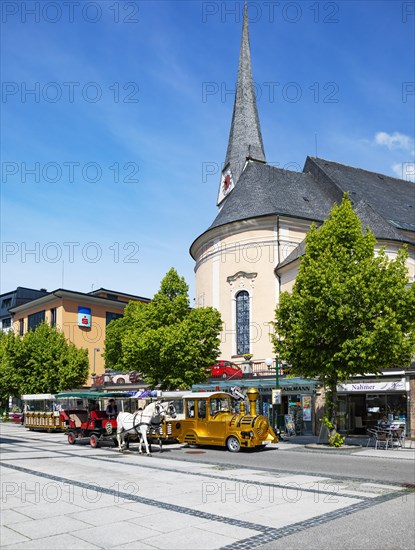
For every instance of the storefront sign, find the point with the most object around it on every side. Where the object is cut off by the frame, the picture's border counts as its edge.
(296, 388)
(84, 316)
(397, 385)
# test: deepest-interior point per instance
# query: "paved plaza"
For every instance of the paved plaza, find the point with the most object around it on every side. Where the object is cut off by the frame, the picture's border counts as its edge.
(54, 495)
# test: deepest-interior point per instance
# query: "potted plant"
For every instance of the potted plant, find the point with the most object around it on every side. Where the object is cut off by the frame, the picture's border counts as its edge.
(247, 365)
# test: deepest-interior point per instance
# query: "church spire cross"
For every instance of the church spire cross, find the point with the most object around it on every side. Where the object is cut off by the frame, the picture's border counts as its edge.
(245, 139)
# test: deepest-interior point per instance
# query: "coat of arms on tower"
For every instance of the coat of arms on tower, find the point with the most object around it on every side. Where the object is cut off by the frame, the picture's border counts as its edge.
(227, 182)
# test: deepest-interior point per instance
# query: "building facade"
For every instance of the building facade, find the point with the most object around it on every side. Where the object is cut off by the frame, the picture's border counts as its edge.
(81, 317)
(252, 250)
(15, 298)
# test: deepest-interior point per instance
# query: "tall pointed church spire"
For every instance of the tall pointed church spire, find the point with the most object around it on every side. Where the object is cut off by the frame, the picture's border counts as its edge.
(245, 139)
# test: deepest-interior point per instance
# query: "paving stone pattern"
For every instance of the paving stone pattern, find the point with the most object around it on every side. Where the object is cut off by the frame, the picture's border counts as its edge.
(58, 496)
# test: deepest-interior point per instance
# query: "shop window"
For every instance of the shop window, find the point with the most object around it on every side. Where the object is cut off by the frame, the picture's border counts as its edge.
(242, 322)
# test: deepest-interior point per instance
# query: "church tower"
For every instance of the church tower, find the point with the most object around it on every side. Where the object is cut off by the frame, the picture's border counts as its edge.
(252, 250)
(245, 139)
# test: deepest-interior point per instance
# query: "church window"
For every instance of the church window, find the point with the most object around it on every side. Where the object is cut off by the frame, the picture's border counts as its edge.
(242, 322)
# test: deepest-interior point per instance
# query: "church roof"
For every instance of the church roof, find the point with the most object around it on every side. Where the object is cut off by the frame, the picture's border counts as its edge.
(264, 189)
(392, 198)
(384, 203)
(245, 138)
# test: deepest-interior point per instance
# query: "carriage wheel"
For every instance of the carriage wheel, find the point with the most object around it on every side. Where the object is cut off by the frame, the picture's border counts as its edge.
(71, 438)
(94, 441)
(233, 445)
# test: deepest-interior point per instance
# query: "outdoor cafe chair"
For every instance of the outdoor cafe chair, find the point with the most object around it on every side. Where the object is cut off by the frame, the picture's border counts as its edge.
(371, 432)
(383, 437)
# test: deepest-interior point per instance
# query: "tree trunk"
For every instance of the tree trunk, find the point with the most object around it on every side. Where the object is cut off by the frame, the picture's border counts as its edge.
(332, 402)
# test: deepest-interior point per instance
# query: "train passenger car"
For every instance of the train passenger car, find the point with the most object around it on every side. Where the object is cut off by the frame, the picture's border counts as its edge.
(41, 412)
(209, 419)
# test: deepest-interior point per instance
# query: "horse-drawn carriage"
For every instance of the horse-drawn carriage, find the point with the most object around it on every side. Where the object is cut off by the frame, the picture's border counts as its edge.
(83, 418)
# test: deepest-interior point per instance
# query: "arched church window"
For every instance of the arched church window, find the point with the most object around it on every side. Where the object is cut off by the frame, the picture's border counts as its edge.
(242, 322)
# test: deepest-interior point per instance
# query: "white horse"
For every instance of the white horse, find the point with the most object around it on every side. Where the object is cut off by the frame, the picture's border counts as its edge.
(140, 423)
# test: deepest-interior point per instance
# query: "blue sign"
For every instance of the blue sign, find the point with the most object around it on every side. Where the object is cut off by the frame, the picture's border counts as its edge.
(84, 317)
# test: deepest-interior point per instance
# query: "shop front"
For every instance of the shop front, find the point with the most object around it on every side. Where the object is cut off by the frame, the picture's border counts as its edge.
(362, 404)
(295, 399)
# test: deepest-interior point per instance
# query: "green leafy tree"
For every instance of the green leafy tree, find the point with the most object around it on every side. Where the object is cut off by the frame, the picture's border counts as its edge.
(41, 362)
(170, 344)
(351, 311)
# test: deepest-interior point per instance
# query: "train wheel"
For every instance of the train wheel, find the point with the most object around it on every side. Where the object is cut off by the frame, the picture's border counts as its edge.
(71, 438)
(94, 441)
(233, 445)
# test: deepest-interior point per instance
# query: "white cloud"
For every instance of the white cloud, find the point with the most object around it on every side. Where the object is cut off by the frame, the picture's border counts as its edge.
(395, 141)
(404, 170)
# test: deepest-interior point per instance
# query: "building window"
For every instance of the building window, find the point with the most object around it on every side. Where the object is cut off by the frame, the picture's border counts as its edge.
(7, 302)
(53, 317)
(112, 297)
(7, 323)
(35, 319)
(109, 316)
(21, 327)
(242, 322)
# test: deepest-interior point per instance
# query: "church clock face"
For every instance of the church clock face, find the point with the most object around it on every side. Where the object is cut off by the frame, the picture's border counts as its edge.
(226, 185)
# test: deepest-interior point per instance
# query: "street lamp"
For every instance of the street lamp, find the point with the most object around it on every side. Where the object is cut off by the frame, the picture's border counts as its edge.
(95, 350)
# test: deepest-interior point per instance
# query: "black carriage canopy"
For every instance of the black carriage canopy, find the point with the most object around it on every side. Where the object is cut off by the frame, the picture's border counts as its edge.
(94, 395)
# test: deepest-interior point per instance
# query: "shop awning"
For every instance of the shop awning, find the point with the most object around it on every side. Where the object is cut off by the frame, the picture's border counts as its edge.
(288, 385)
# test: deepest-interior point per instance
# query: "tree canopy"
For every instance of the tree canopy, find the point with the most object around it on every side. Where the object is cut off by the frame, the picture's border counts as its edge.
(42, 361)
(169, 343)
(351, 310)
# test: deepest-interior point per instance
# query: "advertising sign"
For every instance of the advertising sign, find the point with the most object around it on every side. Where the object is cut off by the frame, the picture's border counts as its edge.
(306, 401)
(84, 317)
(276, 397)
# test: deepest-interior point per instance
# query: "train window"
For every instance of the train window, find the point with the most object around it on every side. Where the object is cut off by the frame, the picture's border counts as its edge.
(201, 408)
(220, 404)
(190, 408)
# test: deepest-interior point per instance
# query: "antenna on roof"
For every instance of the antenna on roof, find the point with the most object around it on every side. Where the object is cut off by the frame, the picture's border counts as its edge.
(315, 141)
(63, 273)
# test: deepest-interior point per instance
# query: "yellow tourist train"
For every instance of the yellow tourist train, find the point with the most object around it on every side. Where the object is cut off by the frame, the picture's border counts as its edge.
(209, 419)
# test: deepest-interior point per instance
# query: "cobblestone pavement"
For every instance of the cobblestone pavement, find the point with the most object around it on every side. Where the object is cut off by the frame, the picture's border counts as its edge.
(58, 496)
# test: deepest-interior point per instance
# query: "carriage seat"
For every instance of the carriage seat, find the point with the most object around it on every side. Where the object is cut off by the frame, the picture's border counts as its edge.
(98, 415)
(78, 418)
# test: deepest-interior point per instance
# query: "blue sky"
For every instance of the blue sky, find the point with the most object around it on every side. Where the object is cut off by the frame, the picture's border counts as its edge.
(104, 166)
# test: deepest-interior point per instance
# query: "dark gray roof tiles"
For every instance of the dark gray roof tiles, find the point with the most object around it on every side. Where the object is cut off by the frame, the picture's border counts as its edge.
(392, 198)
(263, 189)
(384, 203)
(377, 224)
(369, 218)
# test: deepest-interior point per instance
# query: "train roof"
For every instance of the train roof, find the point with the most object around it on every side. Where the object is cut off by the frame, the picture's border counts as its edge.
(206, 394)
(37, 396)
